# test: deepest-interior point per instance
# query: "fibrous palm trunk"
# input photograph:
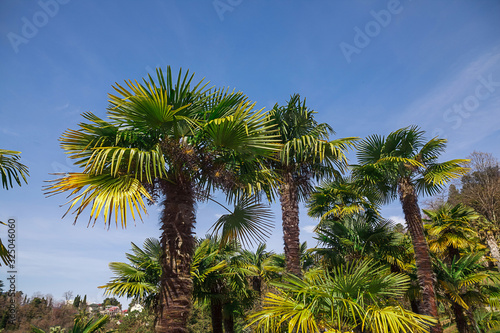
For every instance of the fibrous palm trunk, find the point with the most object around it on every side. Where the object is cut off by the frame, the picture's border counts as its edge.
(290, 219)
(425, 274)
(216, 312)
(177, 240)
(493, 246)
(229, 323)
(460, 319)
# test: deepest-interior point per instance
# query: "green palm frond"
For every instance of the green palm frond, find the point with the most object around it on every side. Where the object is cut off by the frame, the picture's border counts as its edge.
(243, 131)
(396, 319)
(439, 174)
(143, 165)
(250, 221)
(162, 105)
(11, 169)
(113, 196)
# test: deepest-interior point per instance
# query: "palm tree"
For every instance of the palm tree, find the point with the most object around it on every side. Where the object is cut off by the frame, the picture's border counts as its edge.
(10, 170)
(340, 197)
(466, 284)
(174, 141)
(221, 279)
(355, 297)
(306, 154)
(258, 263)
(450, 230)
(404, 164)
(359, 236)
(139, 280)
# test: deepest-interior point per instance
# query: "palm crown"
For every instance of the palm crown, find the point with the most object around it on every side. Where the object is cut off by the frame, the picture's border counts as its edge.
(173, 140)
(404, 154)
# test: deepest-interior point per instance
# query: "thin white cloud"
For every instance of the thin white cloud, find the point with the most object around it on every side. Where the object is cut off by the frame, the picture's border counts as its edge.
(7, 131)
(453, 89)
(309, 228)
(397, 219)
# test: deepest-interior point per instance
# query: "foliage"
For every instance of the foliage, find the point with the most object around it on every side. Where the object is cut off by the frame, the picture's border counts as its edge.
(140, 279)
(358, 295)
(361, 236)
(11, 169)
(450, 229)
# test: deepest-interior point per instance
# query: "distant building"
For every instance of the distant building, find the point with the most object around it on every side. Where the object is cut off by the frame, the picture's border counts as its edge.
(137, 307)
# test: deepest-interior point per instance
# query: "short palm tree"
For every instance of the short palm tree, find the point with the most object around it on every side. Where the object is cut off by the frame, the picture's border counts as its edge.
(221, 279)
(466, 284)
(258, 263)
(404, 164)
(450, 229)
(360, 236)
(359, 296)
(140, 279)
(340, 197)
(172, 140)
(11, 169)
(306, 154)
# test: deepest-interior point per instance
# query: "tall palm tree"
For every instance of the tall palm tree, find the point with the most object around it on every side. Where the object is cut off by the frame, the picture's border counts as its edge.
(404, 164)
(171, 140)
(450, 229)
(306, 154)
(11, 169)
(355, 297)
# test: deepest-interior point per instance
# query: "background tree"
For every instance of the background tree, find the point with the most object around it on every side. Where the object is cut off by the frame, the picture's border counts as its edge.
(480, 189)
(68, 295)
(404, 164)
(306, 154)
(171, 140)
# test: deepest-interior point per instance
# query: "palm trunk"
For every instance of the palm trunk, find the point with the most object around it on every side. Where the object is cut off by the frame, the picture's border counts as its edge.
(216, 312)
(460, 319)
(290, 216)
(177, 223)
(229, 323)
(257, 284)
(425, 274)
(415, 306)
(492, 244)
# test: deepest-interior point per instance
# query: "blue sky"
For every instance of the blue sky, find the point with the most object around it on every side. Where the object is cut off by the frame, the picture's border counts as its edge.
(365, 66)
